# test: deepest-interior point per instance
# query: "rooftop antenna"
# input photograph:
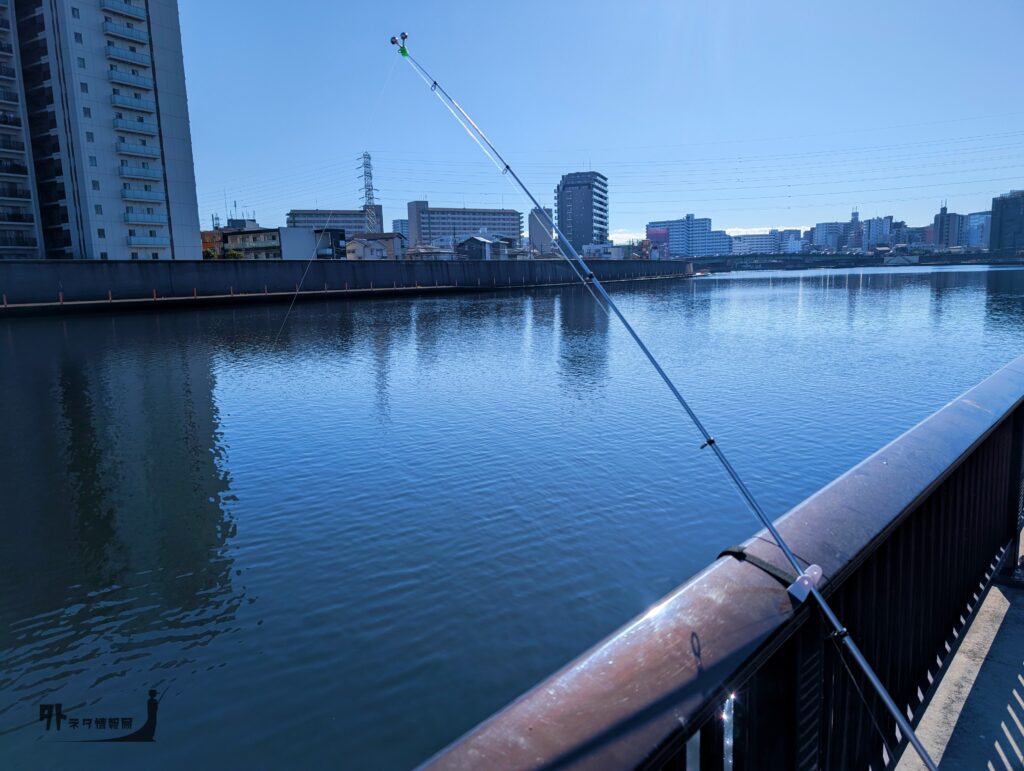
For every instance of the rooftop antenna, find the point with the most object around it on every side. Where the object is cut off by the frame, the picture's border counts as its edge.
(806, 585)
(372, 226)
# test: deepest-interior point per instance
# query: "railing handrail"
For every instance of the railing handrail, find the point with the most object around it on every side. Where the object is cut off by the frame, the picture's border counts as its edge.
(666, 669)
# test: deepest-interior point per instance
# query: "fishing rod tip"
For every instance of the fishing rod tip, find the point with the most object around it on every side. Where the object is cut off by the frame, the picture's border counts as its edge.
(401, 45)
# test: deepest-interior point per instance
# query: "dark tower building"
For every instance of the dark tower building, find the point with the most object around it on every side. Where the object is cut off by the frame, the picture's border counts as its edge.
(581, 205)
(1007, 233)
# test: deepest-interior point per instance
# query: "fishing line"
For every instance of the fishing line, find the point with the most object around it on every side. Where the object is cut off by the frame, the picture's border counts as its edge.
(298, 287)
(806, 583)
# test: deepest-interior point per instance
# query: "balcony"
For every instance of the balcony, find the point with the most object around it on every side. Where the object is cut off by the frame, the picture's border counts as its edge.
(139, 172)
(125, 9)
(20, 193)
(141, 81)
(17, 243)
(7, 71)
(6, 48)
(138, 127)
(149, 241)
(16, 218)
(128, 33)
(254, 245)
(13, 167)
(133, 148)
(124, 55)
(11, 144)
(4, 23)
(143, 195)
(8, 97)
(145, 219)
(142, 105)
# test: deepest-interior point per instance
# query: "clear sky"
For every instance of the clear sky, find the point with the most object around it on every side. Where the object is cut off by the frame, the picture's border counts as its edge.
(755, 114)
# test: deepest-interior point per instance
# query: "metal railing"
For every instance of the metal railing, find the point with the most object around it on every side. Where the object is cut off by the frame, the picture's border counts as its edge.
(143, 105)
(123, 31)
(134, 148)
(727, 671)
(136, 126)
(119, 76)
(135, 11)
(125, 55)
(131, 171)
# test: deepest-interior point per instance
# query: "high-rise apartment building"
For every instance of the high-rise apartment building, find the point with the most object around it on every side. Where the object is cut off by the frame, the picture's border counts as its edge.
(949, 229)
(581, 205)
(690, 236)
(1007, 234)
(979, 224)
(448, 226)
(20, 235)
(400, 226)
(350, 220)
(110, 152)
(828, 236)
(877, 231)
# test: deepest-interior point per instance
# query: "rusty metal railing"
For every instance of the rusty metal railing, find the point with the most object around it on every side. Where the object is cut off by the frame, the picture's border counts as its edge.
(908, 540)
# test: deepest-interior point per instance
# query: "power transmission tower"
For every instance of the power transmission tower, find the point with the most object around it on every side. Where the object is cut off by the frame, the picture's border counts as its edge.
(372, 225)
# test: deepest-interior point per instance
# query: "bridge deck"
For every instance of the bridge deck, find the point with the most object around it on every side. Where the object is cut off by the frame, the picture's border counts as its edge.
(975, 718)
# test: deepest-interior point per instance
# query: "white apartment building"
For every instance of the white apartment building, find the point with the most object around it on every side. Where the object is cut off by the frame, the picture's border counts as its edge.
(449, 226)
(111, 153)
(691, 236)
(352, 221)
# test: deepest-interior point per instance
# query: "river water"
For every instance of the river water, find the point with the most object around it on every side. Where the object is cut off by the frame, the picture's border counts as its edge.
(348, 549)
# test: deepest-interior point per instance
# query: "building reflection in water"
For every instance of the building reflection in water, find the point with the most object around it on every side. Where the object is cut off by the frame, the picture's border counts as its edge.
(583, 342)
(115, 549)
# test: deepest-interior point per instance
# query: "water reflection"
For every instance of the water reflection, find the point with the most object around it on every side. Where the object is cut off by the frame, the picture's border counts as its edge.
(119, 562)
(419, 532)
(583, 342)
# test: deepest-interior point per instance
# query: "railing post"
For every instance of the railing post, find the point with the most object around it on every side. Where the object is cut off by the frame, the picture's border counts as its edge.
(810, 694)
(1015, 494)
(712, 745)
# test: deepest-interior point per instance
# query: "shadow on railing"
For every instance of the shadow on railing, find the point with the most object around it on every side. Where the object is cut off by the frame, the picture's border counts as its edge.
(725, 672)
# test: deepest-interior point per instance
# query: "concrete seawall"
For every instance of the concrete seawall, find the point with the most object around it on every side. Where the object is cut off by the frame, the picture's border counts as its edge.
(54, 286)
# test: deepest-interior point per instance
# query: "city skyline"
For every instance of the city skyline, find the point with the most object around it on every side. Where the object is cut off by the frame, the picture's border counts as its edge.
(709, 129)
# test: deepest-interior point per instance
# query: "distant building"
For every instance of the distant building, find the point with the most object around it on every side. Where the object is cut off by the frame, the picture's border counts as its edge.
(690, 237)
(375, 246)
(898, 233)
(479, 248)
(1007, 228)
(400, 226)
(541, 235)
(877, 231)
(349, 220)
(791, 241)
(447, 226)
(979, 225)
(581, 204)
(920, 236)
(853, 233)
(756, 243)
(607, 252)
(949, 229)
(828, 236)
(213, 240)
(286, 243)
(424, 252)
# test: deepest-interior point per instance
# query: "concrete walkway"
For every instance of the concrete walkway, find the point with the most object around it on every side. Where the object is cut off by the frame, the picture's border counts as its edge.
(976, 717)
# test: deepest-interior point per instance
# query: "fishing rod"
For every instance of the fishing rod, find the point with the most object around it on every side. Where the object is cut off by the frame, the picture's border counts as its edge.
(806, 583)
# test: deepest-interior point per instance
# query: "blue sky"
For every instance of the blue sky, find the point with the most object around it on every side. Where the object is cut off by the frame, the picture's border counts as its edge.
(755, 114)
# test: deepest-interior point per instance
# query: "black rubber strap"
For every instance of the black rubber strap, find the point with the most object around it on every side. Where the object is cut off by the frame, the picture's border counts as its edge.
(784, 578)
